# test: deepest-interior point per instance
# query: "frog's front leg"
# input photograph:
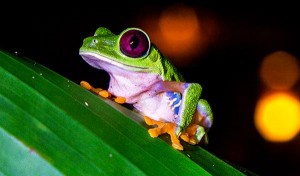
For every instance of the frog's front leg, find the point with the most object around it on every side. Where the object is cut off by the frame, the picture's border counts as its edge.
(102, 93)
(190, 94)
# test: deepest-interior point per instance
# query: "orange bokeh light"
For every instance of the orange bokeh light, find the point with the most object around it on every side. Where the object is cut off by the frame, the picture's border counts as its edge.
(277, 117)
(180, 29)
(279, 70)
(180, 33)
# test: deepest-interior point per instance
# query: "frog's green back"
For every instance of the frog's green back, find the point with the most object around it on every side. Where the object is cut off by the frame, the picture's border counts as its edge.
(165, 68)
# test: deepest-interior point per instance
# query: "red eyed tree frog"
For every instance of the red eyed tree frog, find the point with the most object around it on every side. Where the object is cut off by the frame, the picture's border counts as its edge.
(140, 75)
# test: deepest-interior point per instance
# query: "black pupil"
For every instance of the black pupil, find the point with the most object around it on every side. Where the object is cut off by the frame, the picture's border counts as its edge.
(134, 42)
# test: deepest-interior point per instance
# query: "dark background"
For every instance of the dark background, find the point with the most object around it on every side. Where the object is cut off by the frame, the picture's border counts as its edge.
(52, 34)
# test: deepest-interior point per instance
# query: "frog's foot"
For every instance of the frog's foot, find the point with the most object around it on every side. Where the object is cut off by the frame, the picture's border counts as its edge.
(102, 93)
(98, 91)
(193, 134)
(162, 128)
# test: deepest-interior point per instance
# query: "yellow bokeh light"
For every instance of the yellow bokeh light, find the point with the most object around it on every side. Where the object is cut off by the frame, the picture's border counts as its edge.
(279, 70)
(277, 117)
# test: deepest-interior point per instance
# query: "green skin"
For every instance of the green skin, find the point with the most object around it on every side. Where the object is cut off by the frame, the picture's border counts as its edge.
(148, 81)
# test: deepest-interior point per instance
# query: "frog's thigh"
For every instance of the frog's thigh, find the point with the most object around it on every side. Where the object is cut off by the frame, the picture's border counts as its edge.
(204, 114)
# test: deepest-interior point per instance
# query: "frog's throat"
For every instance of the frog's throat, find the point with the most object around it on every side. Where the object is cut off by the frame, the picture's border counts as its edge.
(94, 58)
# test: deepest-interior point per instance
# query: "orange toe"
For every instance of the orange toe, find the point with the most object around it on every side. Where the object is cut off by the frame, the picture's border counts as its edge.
(120, 100)
(86, 85)
(104, 94)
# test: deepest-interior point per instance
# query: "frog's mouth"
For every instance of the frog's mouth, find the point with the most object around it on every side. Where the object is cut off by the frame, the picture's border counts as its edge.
(105, 63)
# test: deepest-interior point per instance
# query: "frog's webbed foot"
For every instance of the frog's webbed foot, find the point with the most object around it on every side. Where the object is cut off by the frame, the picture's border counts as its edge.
(98, 91)
(162, 128)
(193, 134)
(102, 93)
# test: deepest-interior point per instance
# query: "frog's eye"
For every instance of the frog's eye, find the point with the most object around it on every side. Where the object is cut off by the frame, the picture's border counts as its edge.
(134, 43)
(95, 41)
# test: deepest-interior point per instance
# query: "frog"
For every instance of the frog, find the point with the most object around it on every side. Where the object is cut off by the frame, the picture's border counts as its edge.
(140, 75)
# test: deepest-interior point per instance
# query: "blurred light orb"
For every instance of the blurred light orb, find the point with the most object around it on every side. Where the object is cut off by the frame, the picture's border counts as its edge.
(180, 31)
(279, 70)
(277, 117)
(178, 24)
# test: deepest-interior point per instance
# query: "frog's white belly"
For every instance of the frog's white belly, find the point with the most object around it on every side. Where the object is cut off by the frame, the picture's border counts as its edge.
(157, 107)
(134, 86)
(138, 89)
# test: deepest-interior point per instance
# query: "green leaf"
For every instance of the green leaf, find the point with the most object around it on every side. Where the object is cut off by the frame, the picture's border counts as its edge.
(50, 125)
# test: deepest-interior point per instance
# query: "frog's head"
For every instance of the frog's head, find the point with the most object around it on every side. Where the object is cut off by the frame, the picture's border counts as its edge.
(131, 50)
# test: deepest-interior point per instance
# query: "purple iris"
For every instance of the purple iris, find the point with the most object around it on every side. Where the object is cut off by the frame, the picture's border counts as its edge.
(134, 43)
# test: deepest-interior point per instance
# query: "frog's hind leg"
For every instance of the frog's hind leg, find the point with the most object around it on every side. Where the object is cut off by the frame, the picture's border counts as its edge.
(202, 121)
(194, 134)
(162, 128)
(102, 93)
